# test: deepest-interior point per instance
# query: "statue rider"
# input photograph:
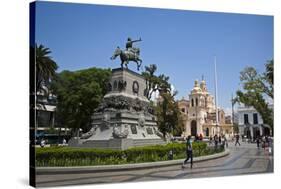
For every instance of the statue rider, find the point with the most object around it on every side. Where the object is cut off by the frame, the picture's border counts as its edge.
(129, 46)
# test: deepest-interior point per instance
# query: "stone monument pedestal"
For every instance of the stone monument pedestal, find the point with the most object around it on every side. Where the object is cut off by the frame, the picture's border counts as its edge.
(125, 117)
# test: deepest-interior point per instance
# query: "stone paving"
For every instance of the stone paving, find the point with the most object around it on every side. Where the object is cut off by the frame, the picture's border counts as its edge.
(244, 159)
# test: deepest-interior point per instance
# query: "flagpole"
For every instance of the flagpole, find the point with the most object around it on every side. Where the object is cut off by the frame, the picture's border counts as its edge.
(216, 95)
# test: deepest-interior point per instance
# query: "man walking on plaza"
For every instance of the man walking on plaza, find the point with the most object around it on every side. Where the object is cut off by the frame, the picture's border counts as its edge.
(216, 139)
(258, 142)
(189, 153)
(237, 140)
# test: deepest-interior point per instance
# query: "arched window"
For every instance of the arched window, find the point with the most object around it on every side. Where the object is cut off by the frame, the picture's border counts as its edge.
(183, 110)
(207, 131)
(196, 101)
(192, 102)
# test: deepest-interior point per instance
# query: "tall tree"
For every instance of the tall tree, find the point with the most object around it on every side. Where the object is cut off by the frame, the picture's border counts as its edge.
(45, 67)
(169, 118)
(155, 83)
(268, 79)
(256, 89)
(79, 94)
(168, 115)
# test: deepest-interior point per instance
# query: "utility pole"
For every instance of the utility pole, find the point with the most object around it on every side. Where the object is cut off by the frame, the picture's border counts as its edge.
(216, 95)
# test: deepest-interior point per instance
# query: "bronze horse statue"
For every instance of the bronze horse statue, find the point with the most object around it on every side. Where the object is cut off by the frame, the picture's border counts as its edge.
(126, 56)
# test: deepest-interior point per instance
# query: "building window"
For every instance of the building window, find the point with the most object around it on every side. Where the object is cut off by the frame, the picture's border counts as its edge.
(196, 101)
(246, 119)
(192, 102)
(183, 110)
(255, 116)
(203, 102)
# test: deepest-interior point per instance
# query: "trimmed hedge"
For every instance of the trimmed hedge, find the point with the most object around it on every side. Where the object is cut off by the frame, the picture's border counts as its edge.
(67, 156)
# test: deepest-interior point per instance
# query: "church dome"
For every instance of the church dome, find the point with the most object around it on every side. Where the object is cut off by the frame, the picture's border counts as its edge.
(196, 88)
(203, 85)
(203, 82)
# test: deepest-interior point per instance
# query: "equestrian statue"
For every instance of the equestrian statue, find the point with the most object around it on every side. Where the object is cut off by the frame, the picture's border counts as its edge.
(130, 54)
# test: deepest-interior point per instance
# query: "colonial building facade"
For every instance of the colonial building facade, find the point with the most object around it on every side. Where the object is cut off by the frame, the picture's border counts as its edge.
(199, 113)
(251, 124)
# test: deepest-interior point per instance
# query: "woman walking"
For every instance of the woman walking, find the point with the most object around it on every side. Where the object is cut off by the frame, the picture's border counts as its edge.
(189, 153)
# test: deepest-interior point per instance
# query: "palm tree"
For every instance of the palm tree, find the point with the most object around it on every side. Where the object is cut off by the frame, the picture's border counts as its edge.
(45, 67)
(45, 70)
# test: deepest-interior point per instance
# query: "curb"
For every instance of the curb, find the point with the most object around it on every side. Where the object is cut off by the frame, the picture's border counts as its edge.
(122, 167)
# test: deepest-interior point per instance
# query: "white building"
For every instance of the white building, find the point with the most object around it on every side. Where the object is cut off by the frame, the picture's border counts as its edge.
(46, 113)
(250, 123)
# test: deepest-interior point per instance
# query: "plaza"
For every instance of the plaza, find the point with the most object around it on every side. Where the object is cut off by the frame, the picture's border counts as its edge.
(244, 159)
(124, 120)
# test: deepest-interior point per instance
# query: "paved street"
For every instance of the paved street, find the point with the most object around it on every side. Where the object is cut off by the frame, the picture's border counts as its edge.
(244, 159)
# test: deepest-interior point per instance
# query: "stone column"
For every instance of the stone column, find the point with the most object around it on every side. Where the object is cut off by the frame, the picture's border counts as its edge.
(252, 132)
(261, 130)
(200, 127)
(187, 128)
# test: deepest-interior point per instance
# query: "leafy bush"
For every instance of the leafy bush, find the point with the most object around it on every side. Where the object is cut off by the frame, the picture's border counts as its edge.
(67, 156)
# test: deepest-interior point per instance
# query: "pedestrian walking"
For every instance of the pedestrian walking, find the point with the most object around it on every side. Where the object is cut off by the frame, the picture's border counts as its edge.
(266, 139)
(189, 153)
(63, 142)
(263, 142)
(270, 145)
(237, 140)
(42, 143)
(258, 142)
(219, 139)
(216, 141)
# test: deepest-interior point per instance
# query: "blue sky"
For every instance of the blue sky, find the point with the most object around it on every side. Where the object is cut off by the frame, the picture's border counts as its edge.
(181, 43)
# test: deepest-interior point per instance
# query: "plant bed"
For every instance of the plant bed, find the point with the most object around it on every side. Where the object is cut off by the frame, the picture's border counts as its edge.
(67, 156)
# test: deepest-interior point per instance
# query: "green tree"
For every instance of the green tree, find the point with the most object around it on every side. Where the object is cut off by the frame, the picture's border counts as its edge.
(79, 94)
(45, 67)
(155, 83)
(168, 115)
(256, 89)
(268, 79)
